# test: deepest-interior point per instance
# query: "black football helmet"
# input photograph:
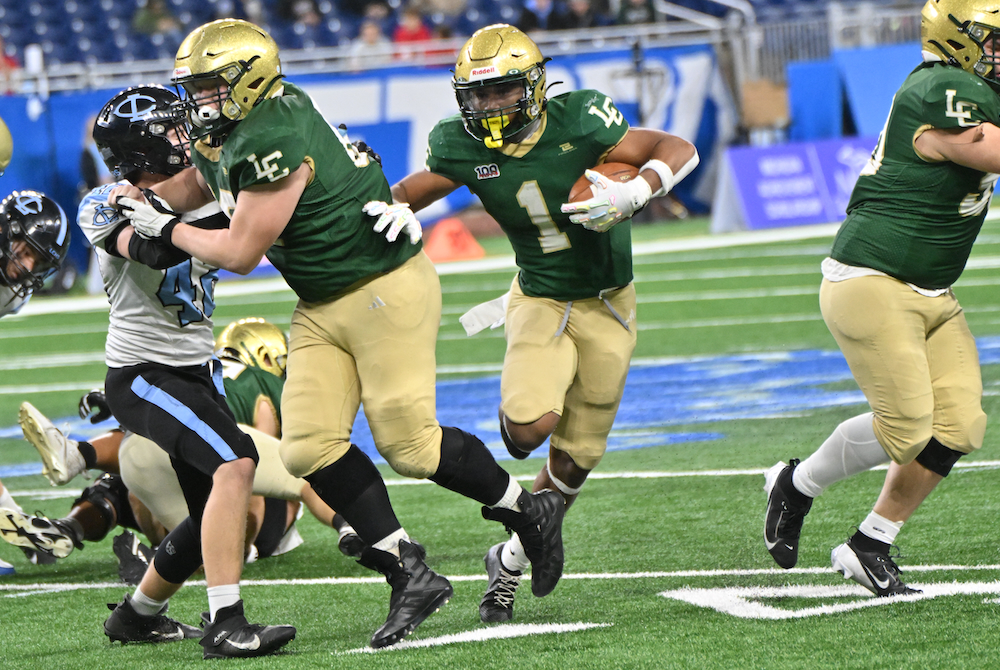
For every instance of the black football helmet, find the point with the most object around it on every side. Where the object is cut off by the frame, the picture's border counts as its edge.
(38, 221)
(131, 132)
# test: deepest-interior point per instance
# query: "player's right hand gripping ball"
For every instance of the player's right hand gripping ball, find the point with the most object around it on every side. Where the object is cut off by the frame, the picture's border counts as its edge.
(613, 197)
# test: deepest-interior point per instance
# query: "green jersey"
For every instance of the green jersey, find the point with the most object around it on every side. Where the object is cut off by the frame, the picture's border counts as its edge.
(523, 190)
(245, 385)
(909, 218)
(329, 243)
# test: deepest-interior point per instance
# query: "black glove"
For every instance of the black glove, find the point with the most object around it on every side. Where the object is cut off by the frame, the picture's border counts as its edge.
(95, 401)
(365, 149)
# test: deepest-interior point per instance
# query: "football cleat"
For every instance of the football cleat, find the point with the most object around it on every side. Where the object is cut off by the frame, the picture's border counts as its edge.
(539, 525)
(786, 510)
(37, 533)
(230, 636)
(874, 570)
(417, 591)
(497, 604)
(125, 625)
(61, 459)
(133, 557)
(5, 568)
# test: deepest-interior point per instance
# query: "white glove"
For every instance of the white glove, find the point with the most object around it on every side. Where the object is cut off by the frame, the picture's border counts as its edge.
(614, 202)
(396, 217)
(151, 220)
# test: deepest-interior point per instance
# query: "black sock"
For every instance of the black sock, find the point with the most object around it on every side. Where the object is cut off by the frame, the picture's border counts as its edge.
(864, 543)
(468, 467)
(354, 487)
(89, 454)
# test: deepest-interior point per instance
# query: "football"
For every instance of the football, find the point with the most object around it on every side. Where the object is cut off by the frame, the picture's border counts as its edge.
(613, 171)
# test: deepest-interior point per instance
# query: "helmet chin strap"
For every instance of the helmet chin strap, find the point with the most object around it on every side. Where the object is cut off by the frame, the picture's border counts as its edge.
(205, 115)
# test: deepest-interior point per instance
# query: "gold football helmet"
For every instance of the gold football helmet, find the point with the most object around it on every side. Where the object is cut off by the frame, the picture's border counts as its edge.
(256, 343)
(6, 146)
(230, 52)
(500, 84)
(958, 31)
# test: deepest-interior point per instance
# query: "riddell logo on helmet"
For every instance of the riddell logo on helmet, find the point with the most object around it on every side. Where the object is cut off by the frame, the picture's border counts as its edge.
(183, 71)
(482, 72)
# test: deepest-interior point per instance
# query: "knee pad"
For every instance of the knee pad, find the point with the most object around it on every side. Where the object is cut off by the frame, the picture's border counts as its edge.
(110, 496)
(179, 555)
(938, 458)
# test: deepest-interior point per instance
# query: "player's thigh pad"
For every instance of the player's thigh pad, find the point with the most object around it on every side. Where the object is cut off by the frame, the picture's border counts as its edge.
(538, 366)
(146, 471)
(882, 327)
(605, 349)
(959, 420)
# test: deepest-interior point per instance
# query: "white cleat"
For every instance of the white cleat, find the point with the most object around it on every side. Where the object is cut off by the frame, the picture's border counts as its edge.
(61, 459)
(35, 533)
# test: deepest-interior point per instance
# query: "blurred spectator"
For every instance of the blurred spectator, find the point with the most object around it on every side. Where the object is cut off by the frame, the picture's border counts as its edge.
(578, 14)
(377, 10)
(449, 8)
(636, 11)
(10, 71)
(536, 15)
(371, 48)
(300, 11)
(154, 18)
(411, 27)
(251, 10)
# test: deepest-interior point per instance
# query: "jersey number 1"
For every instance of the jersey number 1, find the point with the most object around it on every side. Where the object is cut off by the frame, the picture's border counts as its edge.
(529, 196)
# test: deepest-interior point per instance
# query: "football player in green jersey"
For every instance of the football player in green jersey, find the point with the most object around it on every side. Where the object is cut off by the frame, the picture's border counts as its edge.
(570, 313)
(365, 329)
(912, 220)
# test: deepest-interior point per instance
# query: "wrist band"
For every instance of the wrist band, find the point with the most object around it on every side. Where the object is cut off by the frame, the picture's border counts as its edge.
(665, 174)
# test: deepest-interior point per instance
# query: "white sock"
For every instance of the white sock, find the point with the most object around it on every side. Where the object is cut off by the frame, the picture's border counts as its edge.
(510, 496)
(221, 597)
(144, 605)
(513, 557)
(877, 527)
(7, 501)
(850, 449)
(390, 543)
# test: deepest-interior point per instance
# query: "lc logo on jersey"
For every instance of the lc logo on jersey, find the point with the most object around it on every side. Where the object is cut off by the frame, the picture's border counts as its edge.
(267, 167)
(491, 171)
(135, 107)
(962, 111)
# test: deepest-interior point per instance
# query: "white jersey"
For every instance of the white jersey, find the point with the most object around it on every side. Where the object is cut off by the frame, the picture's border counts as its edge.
(157, 316)
(9, 302)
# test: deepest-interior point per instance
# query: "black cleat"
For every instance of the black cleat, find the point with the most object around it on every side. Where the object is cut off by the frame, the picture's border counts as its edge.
(230, 636)
(785, 512)
(133, 557)
(497, 604)
(417, 591)
(539, 525)
(126, 625)
(874, 570)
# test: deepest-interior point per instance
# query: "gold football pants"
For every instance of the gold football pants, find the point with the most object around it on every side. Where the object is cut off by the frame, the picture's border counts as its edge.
(371, 346)
(915, 360)
(571, 359)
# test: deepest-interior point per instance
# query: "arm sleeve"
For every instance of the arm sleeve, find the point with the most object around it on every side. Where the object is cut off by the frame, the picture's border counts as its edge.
(154, 253)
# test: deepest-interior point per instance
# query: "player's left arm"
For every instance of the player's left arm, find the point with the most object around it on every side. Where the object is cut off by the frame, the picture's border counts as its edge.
(265, 417)
(977, 147)
(261, 214)
(422, 188)
(641, 146)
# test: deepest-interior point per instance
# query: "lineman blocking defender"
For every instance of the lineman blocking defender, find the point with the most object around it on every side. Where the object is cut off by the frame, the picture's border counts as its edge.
(365, 328)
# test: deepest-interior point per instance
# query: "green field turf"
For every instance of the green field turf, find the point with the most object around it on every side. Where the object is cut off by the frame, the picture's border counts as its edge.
(665, 564)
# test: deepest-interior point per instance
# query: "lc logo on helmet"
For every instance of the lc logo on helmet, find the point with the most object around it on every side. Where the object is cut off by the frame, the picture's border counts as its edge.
(133, 107)
(28, 204)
